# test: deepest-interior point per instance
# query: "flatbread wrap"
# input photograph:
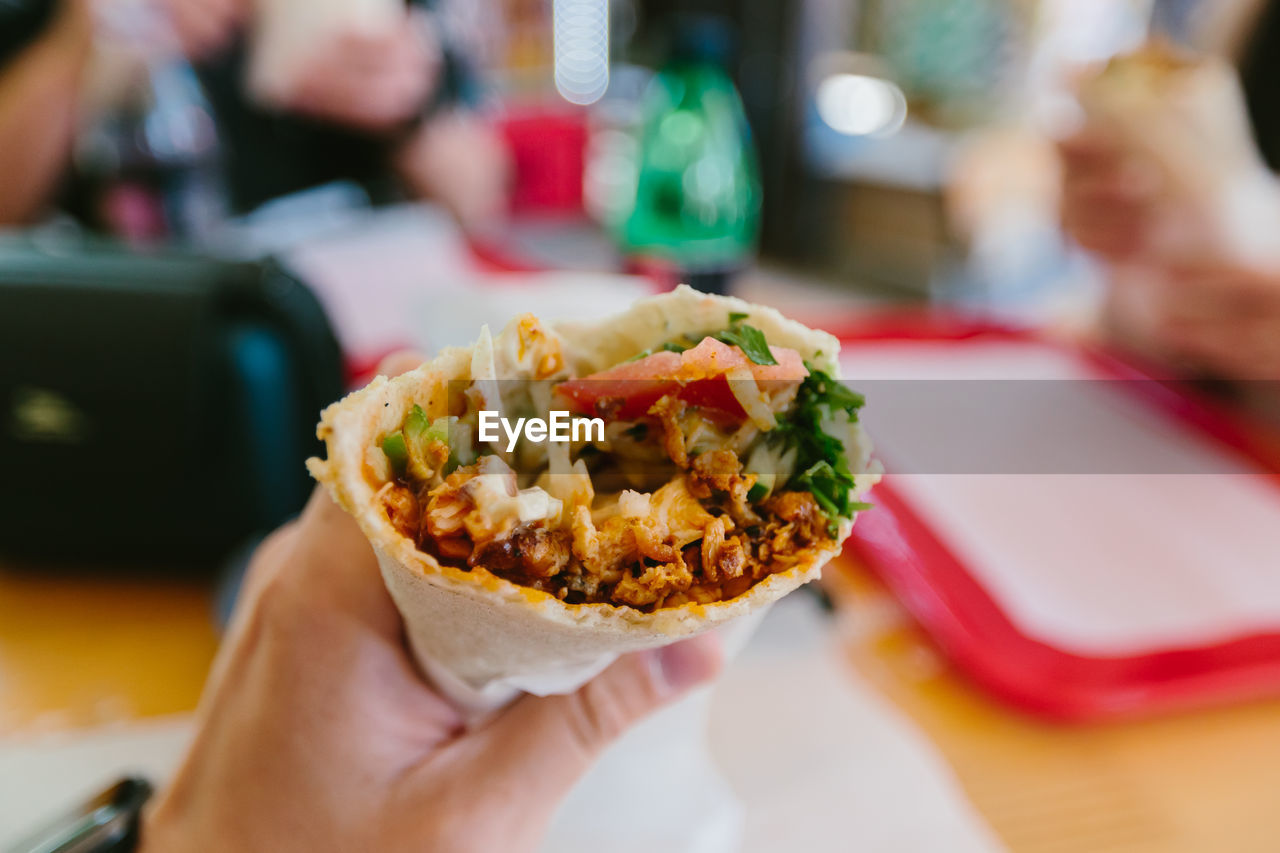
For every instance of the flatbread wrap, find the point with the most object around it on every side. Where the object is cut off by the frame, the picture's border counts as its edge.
(719, 465)
(1185, 115)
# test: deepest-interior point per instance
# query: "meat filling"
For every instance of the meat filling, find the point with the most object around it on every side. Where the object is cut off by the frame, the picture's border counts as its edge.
(658, 511)
(700, 540)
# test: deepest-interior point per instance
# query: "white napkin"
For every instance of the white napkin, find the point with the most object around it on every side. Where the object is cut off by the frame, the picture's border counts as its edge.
(429, 292)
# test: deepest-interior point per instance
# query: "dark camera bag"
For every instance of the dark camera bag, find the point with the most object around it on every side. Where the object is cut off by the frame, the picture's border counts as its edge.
(153, 407)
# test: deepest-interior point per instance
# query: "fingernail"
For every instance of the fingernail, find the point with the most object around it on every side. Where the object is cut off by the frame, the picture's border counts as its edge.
(689, 662)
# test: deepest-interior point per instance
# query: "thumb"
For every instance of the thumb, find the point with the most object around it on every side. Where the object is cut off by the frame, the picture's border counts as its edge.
(555, 739)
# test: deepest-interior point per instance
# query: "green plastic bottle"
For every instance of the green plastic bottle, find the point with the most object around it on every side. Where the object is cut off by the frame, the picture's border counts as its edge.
(697, 200)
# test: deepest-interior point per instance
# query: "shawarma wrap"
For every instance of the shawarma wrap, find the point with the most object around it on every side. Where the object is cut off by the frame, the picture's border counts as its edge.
(1185, 115)
(723, 470)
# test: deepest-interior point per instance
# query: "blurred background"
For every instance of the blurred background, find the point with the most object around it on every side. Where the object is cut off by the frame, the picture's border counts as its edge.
(218, 215)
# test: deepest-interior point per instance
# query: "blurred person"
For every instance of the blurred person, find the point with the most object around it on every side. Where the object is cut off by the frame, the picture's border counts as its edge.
(43, 56)
(387, 110)
(317, 733)
(1216, 315)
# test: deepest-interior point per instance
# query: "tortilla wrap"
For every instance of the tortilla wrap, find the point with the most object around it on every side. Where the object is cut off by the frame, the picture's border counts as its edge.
(475, 631)
(1186, 115)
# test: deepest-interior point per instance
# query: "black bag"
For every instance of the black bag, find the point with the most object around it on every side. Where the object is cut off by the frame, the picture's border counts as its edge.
(153, 408)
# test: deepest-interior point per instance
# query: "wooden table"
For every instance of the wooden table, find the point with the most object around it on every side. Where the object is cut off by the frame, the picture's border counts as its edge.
(1204, 782)
(76, 652)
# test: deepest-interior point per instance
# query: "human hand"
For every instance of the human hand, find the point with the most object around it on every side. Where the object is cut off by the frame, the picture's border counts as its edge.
(368, 81)
(1219, 319)
(205, 28)
(317, 733)
(1109, 197)
(459, 160)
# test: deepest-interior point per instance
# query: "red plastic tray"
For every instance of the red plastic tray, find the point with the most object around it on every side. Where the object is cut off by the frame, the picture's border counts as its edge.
(979, 637)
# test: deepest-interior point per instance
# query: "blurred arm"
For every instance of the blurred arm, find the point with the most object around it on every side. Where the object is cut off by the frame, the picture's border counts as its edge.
(39, 90)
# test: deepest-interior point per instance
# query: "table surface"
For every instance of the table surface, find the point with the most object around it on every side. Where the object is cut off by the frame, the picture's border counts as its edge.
(76, 651)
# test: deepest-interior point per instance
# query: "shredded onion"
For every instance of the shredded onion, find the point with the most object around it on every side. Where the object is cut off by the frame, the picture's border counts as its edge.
(632, 504)
(752, 399)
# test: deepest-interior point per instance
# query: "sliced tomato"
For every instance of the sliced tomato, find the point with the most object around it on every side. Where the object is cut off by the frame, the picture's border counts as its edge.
(696, 375)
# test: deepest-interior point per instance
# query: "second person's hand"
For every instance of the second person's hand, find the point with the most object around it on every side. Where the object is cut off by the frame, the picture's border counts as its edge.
(1222, 319)
(1108, 198)
(369, 82)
